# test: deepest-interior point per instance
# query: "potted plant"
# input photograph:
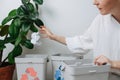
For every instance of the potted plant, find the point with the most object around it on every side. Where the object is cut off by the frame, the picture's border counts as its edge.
(14, 30)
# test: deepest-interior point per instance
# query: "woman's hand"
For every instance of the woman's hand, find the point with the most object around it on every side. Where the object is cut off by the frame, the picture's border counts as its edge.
(47, 33)
(102, 60)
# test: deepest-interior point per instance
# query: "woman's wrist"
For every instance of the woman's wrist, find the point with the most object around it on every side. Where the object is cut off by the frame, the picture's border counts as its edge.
(113, 65)
(58, 38)
(52, 37)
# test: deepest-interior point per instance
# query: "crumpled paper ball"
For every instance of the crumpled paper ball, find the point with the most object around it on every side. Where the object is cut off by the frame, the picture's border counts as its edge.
(35, 37)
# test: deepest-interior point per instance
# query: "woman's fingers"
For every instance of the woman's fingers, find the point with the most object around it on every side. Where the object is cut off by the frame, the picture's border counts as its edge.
(46, 32)
(95, 61)
(101, 60)
(42, 27)
(42, 31)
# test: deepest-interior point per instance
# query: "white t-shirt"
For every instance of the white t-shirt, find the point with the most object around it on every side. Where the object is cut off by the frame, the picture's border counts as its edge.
(103, 37)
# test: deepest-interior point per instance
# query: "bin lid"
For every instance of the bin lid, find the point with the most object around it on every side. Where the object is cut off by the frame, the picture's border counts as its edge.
(31, 58)
(61, 56)
(84, 66)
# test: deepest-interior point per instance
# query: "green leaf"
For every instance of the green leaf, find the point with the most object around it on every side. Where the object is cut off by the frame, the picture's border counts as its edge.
(4, 30)
(11, 58)
(25, 28)
(33, 16)
(18, 40)
(15, 52)
(28, 44)
(13, 30)
(38, 1)
(9, 40)
(13, 13)
(30, 7)
(38, 22)
(25, 1)
(22, 10)
(36, 5)
(24, 38)
(2, 45)
(17, 22)
(33, 28)
(6, 20)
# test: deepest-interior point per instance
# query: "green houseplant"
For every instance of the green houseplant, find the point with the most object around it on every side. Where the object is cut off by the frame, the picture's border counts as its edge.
(15, 27)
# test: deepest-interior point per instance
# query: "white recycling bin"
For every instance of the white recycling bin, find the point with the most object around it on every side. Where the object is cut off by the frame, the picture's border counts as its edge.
(57, 60)
(84, 70)
(31, 67)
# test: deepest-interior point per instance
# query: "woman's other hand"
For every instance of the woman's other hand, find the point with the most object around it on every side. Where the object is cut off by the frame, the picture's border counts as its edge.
(102, 60)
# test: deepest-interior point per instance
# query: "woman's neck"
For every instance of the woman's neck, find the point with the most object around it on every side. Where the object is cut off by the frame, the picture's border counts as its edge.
(117, 17)
(116, 13)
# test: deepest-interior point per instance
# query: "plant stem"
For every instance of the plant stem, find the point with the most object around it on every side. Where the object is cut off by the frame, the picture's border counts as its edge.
(5, 59)
(6, 37)
(1, 53)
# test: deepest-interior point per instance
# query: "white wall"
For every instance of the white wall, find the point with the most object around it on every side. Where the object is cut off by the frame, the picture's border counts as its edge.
(66, 18)
(63, 17)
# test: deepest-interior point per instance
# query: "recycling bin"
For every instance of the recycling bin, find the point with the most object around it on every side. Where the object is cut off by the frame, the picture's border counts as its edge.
(31, 67)
(84, 69)
(57, 60)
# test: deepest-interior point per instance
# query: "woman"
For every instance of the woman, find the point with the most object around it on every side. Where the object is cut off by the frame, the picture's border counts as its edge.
(103, 36)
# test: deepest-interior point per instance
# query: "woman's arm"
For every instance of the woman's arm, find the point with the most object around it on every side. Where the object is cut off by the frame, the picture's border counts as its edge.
(115, 64)
(49, 34)
(60, 39)
(77, 44)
